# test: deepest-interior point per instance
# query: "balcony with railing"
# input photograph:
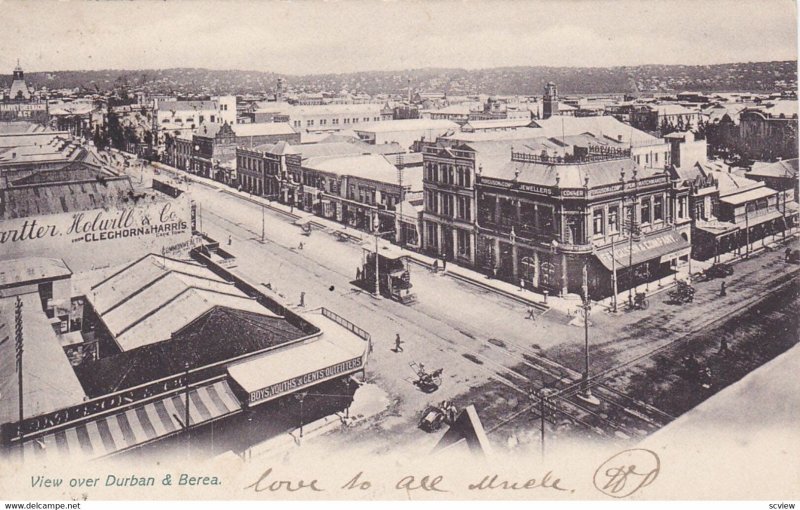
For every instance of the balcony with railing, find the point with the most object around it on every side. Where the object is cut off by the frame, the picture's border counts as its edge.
(604, 154)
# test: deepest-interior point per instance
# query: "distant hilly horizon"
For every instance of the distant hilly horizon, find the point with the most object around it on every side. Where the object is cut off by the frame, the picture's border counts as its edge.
(522, 80)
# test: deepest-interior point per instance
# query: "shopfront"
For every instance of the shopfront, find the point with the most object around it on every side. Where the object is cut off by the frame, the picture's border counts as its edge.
(275, 375)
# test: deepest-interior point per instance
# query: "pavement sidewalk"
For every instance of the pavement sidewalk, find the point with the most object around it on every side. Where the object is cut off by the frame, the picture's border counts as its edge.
(567, 304)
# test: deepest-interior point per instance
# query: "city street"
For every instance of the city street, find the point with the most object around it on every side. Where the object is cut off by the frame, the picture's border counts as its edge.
(442, 329)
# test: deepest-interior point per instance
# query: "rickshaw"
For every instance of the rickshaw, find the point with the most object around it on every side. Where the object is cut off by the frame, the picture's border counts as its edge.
(427, 382)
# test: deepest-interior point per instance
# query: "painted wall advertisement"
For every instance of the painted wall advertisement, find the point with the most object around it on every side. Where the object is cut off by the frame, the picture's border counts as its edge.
(100, 237)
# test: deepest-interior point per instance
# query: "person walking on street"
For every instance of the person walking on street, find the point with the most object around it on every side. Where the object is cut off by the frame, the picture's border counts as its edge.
(398, 344)
(229, 239)
(300, 247)
(444, 263)
(722, 291)
(302, 299)
(531, 314)
(436, 266)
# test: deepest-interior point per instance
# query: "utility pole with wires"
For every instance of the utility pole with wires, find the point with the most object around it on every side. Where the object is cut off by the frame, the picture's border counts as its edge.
(586, 392)
(18, 337)
(400, 236)
(186, 406)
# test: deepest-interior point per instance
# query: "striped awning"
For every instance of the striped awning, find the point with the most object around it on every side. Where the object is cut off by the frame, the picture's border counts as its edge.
(135, 426)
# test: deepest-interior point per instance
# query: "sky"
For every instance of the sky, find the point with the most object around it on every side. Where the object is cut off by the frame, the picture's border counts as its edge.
(315, 36)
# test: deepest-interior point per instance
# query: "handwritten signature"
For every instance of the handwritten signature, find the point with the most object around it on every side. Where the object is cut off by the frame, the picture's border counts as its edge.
(626, 472)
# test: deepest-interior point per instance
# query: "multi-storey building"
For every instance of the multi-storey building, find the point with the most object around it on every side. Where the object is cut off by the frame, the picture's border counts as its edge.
(729, 212)
(769, 132)
(451, 163)
(542, 220)
(658, 118)
(359, 190)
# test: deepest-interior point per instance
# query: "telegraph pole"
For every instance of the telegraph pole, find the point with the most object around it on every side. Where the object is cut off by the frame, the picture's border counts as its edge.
(613, 278)
(19, 349)
(785, 225)
(400, 236)
(747, 232)
(376, 227)
(186, 406)
(586, 393)
(541, 414)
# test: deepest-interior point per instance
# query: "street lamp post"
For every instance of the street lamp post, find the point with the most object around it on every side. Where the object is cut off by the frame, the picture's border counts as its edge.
(301, 397)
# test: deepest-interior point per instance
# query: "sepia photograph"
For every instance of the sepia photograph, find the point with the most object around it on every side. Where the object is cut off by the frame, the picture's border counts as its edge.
(448, 250)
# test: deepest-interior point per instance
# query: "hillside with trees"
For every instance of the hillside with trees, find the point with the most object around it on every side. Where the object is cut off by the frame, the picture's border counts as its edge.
(749, 77)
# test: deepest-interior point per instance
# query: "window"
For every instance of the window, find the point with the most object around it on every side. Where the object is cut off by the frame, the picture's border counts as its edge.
(322, 122)
(613, 219)
(546, 224)
(297, 123)
(347, 121)
(310, 122)
(430, 201)
(376, 118)
(366, 119)
(213, 119)
(682, 207)
(646, 210)
(202, 119)
(335, 122)
(598, 222)
(463, 242)
(658, 208)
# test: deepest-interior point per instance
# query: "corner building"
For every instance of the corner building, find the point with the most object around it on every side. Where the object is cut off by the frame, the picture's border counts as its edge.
(541, 219)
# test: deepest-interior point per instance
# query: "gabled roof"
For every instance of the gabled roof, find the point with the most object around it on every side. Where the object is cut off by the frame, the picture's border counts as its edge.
(787, 168)
(156, 296)
(217, 334)
(599, 126)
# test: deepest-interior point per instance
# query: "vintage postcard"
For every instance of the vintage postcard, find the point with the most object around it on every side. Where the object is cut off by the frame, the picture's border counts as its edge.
(367, 250)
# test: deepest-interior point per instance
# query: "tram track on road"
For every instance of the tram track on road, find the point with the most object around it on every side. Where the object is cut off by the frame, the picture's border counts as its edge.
(648, 417)
(507, 376)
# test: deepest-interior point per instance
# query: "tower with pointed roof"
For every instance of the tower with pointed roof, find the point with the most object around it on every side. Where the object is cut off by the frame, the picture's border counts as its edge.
(19, 89)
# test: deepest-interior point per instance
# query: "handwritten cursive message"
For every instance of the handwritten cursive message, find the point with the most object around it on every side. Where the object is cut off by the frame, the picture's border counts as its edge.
(269, 481)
